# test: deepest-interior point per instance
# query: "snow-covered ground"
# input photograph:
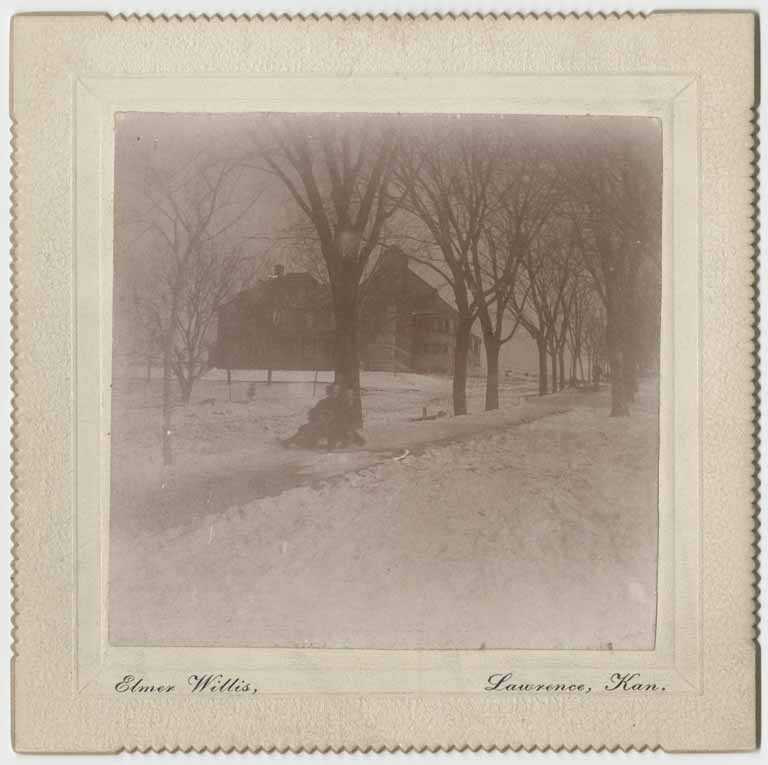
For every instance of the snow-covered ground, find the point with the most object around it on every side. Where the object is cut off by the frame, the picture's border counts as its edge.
(227, 450)
(530, 527)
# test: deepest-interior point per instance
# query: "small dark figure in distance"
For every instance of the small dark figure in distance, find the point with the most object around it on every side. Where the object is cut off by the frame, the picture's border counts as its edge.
(320, 422)
(596, 376)
(343, 429)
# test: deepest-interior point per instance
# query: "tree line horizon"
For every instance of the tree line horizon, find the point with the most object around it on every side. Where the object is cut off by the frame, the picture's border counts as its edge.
(546, 225)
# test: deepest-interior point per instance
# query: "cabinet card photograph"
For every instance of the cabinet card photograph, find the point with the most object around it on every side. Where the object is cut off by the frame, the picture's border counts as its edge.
(369, 397)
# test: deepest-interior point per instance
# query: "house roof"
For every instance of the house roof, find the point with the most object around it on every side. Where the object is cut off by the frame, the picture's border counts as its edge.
(267, 287)
(289, 280)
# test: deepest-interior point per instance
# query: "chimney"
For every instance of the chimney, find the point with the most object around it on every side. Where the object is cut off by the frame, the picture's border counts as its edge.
(278, 271)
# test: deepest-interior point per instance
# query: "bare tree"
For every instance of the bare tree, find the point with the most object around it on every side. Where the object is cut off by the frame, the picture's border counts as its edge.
(338, 173)
(149, 335)
(494, 282)
(525, 198)
(569, 267)
(187, 211)
(446, 181)
(594, 335)
(214, 274)
(559, 336)
(549, 269)
(616, 207)
(582, 299)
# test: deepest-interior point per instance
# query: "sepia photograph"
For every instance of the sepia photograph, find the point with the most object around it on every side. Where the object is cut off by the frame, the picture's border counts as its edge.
(385, 381)
(384, 384)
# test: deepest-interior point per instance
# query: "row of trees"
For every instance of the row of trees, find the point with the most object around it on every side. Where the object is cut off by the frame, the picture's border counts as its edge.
(555, 231)
(546, 225)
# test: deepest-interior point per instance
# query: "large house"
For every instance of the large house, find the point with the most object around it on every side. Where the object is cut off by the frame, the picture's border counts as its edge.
(286, 322)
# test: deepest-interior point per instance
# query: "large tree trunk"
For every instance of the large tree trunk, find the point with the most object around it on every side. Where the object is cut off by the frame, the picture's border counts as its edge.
(492, 348)
(346, 353)
(460, 357)
(542, 347)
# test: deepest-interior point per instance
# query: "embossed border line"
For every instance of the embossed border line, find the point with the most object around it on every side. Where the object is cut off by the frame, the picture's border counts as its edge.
(672, 98)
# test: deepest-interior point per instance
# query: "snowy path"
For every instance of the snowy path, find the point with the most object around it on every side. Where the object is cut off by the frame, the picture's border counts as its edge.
(550, 516)
(194, 489)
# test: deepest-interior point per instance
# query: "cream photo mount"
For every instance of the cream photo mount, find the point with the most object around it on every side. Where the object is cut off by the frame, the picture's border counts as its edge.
(703, 663)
